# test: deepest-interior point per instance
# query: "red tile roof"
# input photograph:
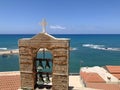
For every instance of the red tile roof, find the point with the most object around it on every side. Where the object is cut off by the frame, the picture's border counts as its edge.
(113, 69)
(91, 77)
(9, 82)
(103, 86)
(83, 75)
(117, 76)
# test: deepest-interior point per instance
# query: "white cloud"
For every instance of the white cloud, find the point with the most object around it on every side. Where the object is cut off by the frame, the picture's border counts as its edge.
(57, 27)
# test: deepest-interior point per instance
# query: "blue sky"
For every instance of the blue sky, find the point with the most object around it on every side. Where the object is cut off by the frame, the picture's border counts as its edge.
(63, 16)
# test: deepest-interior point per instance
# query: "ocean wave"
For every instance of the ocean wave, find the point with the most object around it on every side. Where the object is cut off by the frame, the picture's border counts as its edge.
(5, 49)
(100, 47)
(73, 49)
(2, 49)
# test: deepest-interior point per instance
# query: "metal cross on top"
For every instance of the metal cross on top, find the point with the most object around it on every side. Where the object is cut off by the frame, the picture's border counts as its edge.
(43, 24)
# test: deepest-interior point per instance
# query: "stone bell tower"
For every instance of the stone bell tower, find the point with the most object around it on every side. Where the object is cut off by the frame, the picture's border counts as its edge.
(28, 49)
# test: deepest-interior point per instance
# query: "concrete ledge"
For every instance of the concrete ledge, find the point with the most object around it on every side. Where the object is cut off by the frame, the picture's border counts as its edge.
(10, 73)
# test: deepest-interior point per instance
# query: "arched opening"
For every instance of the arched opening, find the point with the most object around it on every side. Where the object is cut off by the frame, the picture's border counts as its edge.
(43, 68)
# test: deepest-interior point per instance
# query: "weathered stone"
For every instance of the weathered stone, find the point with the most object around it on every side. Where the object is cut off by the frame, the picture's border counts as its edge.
(61, 69)
(26, 67)
(59, 82)
(59, 48)
(28, 80)
(61, 62)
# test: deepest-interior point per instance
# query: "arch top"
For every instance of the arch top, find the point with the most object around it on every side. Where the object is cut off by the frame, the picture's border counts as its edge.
(48, 37)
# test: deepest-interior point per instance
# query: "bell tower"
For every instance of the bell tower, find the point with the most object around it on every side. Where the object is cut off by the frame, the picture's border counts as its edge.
(32, 68)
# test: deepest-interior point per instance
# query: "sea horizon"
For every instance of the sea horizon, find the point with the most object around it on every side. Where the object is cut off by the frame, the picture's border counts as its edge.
(87, 50)
(63, 34)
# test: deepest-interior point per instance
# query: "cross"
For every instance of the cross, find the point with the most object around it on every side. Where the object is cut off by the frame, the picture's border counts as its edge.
(43, 24)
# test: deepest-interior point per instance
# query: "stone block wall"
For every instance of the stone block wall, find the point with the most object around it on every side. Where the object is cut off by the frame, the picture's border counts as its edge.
(59, 48)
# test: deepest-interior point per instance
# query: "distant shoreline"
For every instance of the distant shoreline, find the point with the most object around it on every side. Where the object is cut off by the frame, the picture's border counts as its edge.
(16, 51)
(9, 52)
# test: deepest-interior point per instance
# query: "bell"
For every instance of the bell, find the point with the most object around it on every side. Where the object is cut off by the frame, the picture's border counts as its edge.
(47, 66)
(40, 80)
(40, 66)
(47, 79)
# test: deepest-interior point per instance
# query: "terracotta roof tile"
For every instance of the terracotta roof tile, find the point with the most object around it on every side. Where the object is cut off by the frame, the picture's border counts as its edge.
(9, 82)
(104, 86)
(113, 69)
(83, 75)
(117, 76)
(91, 77)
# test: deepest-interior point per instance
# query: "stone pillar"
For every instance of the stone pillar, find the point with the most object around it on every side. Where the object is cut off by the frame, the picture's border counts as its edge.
(27, 67)
(60, 76)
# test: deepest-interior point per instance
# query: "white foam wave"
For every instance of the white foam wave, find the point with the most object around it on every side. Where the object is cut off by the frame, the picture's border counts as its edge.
(3, 49)
(93, 46)
(73, 49)
(100, 47)
(113, 49)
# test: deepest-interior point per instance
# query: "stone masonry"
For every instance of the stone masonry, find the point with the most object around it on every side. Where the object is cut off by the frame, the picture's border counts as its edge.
(28, 49)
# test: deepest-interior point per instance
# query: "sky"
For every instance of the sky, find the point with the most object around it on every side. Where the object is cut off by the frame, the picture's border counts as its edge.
(62, 16)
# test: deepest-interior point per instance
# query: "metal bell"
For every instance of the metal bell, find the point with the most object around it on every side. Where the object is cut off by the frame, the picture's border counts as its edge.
(47, 66)
(40, 80)
(40, 66)
(47, 79)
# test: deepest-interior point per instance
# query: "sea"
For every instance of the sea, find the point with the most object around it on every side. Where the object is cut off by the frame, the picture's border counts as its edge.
(87, 50)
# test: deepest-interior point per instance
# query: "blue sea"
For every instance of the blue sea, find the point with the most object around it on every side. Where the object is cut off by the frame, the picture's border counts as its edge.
(86, 50)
